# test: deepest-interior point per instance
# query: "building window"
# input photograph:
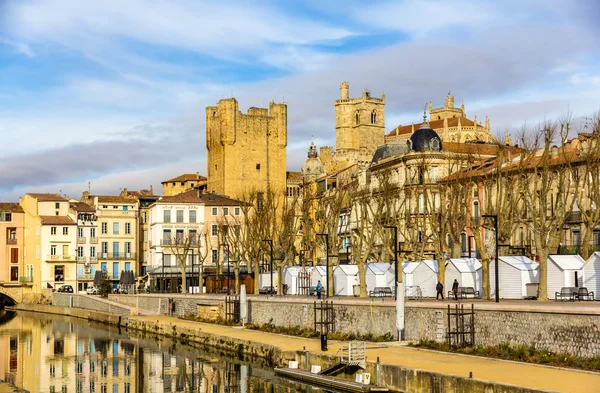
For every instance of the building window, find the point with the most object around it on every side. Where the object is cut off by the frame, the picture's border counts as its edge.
(93, 251)
(53, 230)
(115, 228)
(215, 256)
(596, 238)
(214, 230)
(104, 246)
(236, 211)
(115, 270)
(125, 207)
(115, 207)
(166, 215)
(576, 238)
(434, 174)
(179, 216)
(258, 167)
(166, 237)
(463, 242)
(80, 232)
(80, 251)
(476, 212)
(59, 273)
(356, 117)
(57, 205)
(214, 211)
(225, 211)
(14, 273)
(65, 230)
(192, 216)
(128, 228)
(5, 216)
(14, 255)
(104, 228)
(128, 250)
(145, 235)
(179, 236)
(53, 249)
(144, 217)
(373, 117)
(193, 237)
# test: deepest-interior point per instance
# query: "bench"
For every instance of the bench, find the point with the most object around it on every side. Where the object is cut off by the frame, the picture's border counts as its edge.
(566, 293)
(584, 294)
(464, 293)
(381, 292)
(267, 291)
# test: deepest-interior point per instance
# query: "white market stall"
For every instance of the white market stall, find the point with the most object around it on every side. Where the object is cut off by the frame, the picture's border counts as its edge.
(514, 272)
(377, 275)
(344, 279)
(290, 278)
(564, 271)
(467, 271)
(408, 269)
(425, 276)
(264, 280)
(591, 273)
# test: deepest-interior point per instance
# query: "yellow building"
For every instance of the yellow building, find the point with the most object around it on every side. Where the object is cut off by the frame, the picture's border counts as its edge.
(246, 152)
(183, 183)
(50, 241)
(117, 237)
(12, 221)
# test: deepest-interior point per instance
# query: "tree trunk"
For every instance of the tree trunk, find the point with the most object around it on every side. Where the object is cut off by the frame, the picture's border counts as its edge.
(543, 261)
(585, 243)
(183, 278)
(361, 278)
(236, 270)
(280, 280)
(256, 276)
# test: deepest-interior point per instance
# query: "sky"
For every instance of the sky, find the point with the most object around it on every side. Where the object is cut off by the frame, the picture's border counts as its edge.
(111, 94)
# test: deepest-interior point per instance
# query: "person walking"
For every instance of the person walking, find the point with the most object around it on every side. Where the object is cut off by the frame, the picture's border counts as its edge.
(455, 289)
(440, 291)
(319, 289)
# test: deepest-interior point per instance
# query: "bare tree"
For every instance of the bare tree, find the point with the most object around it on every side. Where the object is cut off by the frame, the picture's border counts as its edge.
(180, 246)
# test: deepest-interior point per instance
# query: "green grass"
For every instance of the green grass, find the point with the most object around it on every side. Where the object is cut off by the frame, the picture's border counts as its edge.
(519, 353)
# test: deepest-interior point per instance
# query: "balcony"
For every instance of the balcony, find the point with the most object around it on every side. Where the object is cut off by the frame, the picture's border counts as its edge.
(81, 259)
(26, 280)
(11, 241)
(116, 256)
(179, 242)
(93, 259)
(60, 258)
(84, 277)
(81, 240)
(93, 240)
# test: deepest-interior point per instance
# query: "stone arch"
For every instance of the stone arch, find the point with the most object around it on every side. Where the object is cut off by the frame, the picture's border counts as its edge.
(10, 295)
(6, 300)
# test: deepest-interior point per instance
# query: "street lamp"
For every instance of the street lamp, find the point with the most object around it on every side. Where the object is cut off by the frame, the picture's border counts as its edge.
(329, 284)
(226, 245)
(495, 217)
(395, 259)
(271, 262)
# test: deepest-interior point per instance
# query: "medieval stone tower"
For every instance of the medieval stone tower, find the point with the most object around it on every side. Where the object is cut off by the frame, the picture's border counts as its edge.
(359, 122)
(246, 152)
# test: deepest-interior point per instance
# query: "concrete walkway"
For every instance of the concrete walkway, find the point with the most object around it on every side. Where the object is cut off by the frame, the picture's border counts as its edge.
(505, 372)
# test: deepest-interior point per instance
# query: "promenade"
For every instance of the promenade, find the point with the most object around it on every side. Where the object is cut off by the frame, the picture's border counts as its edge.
(499, 371)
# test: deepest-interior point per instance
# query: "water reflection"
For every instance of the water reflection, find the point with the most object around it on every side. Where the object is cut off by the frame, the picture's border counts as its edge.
(42, 353)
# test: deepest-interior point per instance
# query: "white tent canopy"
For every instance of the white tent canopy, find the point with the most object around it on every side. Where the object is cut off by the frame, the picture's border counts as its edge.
(318, 273)
(467, 271)
(591, 273)
(564, 271)
(264, 280)
(378, 274)
(514, 272)
(344, 278)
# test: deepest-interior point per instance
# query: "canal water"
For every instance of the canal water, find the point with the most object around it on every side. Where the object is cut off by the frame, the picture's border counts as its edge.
(55, 354)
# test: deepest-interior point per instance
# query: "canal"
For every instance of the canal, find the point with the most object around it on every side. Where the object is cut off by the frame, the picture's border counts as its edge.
(50, 354)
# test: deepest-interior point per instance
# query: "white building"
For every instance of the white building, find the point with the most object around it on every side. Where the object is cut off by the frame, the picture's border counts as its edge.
(514, 273)
(87, 243)
(564, 271)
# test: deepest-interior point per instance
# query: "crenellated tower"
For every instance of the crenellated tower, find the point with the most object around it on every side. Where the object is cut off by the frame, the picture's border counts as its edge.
(246, 152)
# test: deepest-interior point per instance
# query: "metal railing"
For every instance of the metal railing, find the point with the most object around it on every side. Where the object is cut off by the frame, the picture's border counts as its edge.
(60, 257)
(118, 255)
(26, 280)
(81, 259)
(85, 276)
(11, 241)
(81, 239)
(93, 240)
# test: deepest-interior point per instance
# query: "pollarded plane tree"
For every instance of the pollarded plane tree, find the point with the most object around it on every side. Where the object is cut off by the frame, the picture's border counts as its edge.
(286, 235)
(586, 172)
(180, 246)
(542, 174)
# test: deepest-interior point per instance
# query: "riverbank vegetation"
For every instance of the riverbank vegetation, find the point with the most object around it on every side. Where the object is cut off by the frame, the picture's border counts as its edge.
(518, 353)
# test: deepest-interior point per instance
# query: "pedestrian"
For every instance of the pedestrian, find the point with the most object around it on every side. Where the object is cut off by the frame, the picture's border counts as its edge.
(319, 289)
(455, 289)
(440, 291)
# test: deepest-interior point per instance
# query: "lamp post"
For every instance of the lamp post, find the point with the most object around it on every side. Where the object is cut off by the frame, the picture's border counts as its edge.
(271, 262)
(226, 245)
(395, 259)
(329, 284)
(495, 218)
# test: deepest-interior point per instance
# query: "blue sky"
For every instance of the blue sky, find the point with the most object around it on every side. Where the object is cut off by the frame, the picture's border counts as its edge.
(113, 92)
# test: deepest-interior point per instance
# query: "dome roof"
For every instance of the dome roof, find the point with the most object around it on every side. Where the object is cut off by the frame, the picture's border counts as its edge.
(313, 167)
(425, 139)
(389, 150)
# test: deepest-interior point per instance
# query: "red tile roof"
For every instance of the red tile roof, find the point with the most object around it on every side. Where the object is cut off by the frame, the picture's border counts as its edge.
(194, 196)
(115, 199)
(81, 207)
(434, 124)
(186, 177)
(47, 197)
(11, 206)
(57, 220)
(294, 176)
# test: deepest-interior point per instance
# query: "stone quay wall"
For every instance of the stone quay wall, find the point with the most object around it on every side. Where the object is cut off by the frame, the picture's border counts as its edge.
(575, 334)
(87, 302)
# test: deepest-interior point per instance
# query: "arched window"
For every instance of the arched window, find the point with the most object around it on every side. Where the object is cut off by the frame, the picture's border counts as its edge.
(373, 117)
(463, 242)
(356, 117)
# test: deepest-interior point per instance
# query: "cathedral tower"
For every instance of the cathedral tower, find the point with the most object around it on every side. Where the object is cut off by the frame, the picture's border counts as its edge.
(359, 122)
(246, 152)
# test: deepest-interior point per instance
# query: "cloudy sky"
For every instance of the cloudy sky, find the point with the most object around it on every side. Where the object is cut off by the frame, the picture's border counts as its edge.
(113, 92)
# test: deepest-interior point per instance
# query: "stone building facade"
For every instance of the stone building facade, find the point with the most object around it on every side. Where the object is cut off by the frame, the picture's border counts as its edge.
(246, 152)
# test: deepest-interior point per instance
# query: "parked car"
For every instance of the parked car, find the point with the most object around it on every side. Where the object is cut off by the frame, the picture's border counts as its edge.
(92, 290)
(66, 289)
